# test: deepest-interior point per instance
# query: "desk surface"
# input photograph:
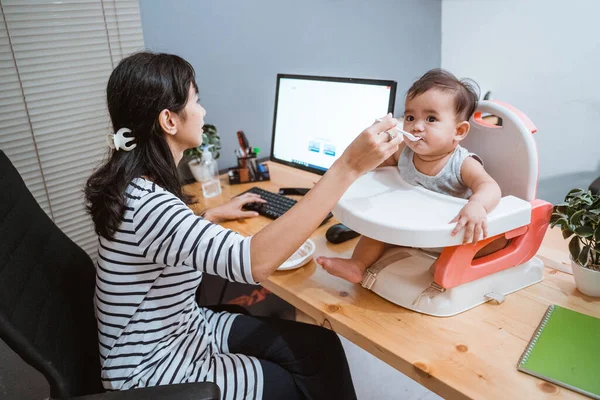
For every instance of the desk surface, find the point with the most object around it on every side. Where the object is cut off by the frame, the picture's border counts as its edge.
(471, 355)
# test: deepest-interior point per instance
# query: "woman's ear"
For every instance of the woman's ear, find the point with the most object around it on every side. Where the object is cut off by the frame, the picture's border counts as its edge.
(168, 122)
(462, 130)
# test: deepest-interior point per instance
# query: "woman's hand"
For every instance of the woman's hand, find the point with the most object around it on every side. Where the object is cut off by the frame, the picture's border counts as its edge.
(473, 219)
(233, 209)
(372, 147)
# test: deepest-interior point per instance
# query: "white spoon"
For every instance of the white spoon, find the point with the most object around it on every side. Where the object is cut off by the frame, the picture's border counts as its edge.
(410, 136)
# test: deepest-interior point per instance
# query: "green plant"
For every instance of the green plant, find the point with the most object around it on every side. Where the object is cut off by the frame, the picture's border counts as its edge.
(579, 216)
(209, 137)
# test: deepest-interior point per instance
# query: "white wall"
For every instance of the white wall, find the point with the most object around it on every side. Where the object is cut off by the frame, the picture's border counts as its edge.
(238, 47)
(542, 56)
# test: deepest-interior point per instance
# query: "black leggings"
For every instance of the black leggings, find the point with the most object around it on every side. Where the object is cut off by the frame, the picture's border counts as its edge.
(299, 361)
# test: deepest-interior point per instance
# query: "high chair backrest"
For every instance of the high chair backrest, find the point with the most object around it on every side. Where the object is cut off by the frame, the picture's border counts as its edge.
(509, 152)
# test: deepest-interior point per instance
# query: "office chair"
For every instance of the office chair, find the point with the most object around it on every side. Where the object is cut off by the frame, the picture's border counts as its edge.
(46, 302)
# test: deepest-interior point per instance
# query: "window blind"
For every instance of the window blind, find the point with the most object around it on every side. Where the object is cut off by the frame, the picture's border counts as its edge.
(55, 61)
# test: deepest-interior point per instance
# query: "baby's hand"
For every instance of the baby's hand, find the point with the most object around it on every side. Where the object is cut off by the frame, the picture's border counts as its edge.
(473, 219)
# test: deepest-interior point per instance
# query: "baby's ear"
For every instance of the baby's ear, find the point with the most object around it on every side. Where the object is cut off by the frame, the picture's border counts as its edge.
(462, 130)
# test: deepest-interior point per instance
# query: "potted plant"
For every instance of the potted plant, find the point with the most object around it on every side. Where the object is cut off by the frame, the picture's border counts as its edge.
(210, 137)
(579, 217)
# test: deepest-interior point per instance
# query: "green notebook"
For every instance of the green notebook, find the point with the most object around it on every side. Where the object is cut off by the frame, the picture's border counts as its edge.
(565, 350)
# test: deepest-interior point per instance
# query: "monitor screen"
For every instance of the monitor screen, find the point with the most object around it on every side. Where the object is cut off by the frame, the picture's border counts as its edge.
(316, 118)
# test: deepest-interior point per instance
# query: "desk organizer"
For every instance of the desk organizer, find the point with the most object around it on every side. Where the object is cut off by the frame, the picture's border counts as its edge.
(248, 170)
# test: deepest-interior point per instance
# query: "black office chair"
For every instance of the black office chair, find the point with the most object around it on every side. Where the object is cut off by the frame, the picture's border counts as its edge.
(46, 302)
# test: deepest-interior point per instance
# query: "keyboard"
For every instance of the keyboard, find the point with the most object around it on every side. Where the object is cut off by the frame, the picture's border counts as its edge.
(275, 206)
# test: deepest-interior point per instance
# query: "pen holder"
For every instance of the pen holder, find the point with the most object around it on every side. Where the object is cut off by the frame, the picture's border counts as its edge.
(248, 170)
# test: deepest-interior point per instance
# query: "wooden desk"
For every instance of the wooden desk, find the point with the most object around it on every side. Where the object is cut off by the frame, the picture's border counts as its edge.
(471, 355)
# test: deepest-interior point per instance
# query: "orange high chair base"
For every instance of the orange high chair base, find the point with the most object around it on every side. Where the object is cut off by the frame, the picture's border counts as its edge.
(416, 275)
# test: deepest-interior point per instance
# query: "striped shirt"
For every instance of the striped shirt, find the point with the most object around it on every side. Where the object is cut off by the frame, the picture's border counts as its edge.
(150, 329)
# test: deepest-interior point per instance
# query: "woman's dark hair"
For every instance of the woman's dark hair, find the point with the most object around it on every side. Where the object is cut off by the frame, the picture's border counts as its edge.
(139, 88)
(466, 91)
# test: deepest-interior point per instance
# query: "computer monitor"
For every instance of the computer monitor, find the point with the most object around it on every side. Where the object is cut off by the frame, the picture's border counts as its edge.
(317, 117)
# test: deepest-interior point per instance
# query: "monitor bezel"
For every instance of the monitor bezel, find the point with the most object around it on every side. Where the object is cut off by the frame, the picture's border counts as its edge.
(379, 82)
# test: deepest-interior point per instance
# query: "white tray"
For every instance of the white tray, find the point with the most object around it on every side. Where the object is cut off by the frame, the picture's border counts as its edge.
(382, 206)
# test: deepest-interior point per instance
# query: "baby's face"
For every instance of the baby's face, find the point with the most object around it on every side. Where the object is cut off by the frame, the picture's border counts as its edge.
(431, 116)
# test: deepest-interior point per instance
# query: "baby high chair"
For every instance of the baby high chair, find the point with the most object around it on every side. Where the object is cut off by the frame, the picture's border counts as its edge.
(382, 206)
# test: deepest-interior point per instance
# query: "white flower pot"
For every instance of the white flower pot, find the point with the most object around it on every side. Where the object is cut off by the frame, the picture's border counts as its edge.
(587, 280)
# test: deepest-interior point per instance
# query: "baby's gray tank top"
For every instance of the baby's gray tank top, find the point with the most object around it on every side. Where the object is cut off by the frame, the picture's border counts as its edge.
(447, 181)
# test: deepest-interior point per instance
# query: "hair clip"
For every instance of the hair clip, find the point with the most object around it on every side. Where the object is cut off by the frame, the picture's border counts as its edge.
(118, 141)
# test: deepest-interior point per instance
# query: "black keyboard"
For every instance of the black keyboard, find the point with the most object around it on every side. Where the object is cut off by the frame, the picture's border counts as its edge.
(275, 206)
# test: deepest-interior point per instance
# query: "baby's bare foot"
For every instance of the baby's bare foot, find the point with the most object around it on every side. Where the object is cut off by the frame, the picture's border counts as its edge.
(346, 268)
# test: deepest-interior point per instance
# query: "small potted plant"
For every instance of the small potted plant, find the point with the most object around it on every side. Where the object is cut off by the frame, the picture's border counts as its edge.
(579, 217)
(210, 137)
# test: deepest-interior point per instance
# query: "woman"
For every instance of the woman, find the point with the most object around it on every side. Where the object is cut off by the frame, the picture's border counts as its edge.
(153, 251)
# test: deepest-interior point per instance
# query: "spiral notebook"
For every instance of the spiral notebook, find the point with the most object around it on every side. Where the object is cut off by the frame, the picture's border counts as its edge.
(565, 350)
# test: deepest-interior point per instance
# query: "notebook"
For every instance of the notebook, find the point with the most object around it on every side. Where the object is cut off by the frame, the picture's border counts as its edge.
(565, 350)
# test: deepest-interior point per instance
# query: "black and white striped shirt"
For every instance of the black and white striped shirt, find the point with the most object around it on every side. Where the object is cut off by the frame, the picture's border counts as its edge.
(151, 330)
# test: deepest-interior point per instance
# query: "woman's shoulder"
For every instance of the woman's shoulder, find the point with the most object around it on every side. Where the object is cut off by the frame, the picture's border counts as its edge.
(139, 187)
(141, 190)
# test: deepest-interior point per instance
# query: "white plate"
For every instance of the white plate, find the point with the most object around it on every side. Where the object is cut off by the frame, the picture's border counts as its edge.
(300, 257)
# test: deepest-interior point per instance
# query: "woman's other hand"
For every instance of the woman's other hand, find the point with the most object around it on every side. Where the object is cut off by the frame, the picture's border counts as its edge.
(233, 209)
(372, 147)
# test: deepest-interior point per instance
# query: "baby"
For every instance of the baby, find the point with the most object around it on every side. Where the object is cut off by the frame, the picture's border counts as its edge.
(437, 109)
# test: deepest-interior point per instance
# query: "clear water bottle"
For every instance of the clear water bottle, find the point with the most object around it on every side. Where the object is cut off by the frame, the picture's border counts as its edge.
(211, 185)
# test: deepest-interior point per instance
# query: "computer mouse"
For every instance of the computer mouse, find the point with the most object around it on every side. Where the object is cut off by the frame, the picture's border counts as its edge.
(340, 233)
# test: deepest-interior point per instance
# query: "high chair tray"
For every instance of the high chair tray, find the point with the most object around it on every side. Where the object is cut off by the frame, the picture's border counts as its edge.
(382, 206)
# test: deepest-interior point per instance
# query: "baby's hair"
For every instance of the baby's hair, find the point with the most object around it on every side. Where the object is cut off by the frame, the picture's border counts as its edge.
(466, 90)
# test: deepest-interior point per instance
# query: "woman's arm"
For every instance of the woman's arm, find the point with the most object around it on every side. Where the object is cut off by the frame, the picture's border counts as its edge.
(166, 232)
(275, 243)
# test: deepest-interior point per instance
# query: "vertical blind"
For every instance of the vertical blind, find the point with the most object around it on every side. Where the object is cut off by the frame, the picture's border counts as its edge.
(55, 60)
